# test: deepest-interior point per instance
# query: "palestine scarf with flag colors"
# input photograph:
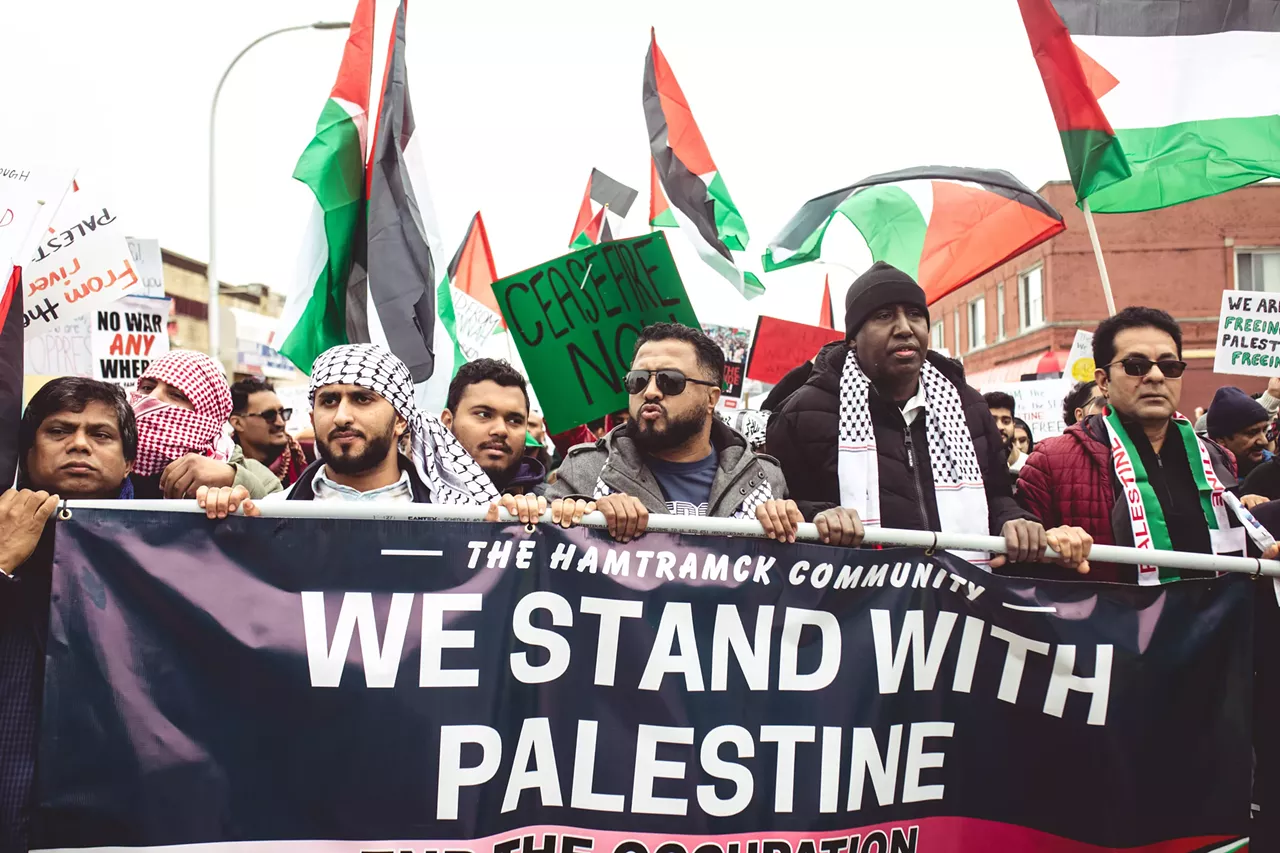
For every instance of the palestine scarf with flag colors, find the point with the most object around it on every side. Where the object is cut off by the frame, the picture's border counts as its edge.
(699, 198)
(1160, 103)
(610, 195)
(944, 226)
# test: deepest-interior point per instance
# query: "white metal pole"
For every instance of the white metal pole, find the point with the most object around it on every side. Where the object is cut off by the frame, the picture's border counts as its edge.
(1097, 255)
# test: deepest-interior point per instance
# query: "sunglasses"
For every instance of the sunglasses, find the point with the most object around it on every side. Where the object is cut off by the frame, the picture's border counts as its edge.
(1171, 368)
(270, 415)
(670, 382)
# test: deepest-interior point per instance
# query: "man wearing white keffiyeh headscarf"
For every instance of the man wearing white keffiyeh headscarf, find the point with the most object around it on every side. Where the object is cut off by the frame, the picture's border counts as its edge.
(362, 405)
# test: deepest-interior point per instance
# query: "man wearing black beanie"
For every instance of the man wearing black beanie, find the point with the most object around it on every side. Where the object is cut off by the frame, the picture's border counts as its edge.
(887, 434)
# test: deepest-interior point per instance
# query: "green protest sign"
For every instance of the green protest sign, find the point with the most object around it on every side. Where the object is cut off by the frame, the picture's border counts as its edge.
(575, 321)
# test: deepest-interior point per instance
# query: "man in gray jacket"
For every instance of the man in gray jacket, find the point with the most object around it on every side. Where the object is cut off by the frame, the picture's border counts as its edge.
(675, 456)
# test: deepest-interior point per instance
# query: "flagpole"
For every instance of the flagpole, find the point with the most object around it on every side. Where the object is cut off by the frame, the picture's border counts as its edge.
(1097, 254)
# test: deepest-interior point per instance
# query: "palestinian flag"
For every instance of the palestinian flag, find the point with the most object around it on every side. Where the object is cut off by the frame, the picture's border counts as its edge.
(468, 309)
(700, 201)
(1160, 103)
(604, 191)
(592, 232)
(943, 226)
(827, 317)
(11, 338)
(316, 315)
(659, 211)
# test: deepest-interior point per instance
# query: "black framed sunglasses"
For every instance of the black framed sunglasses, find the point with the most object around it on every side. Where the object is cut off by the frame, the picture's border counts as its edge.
(671, 382)
(270, 415)
(1136, 365)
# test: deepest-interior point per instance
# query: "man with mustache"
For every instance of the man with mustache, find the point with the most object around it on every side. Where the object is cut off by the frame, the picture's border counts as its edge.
(674, 456)
(890, 433)
(362, 404)
(488, 412)
(258, 420)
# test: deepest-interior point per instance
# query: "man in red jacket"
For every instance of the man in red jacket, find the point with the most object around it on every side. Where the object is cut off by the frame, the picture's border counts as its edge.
(1137, 475)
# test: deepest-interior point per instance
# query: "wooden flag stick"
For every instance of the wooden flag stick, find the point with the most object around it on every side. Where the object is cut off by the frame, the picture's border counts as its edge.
(1097, 254)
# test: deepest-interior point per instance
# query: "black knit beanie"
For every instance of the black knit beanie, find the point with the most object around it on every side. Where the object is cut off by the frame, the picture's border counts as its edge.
(881, 285)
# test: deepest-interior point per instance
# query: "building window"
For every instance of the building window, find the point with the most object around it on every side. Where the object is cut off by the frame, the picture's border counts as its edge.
(1031, 298)
(978, 323)
(937, 339)
(1258, 269)
(999, 312)
(957, 349)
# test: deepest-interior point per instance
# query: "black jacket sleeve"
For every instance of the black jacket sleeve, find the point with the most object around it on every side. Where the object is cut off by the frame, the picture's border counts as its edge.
(784, 442)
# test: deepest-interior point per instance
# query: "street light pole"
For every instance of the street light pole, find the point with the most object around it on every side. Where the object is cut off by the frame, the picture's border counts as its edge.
(211, 274)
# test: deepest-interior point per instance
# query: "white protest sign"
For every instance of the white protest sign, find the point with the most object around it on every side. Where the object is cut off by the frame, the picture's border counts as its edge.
(81, 264)
(1038, 403)
(1248, 334)
(1079, 366)
(64, 350)
(127, 335)
(147, 260)
(30, 196)
(474, 322)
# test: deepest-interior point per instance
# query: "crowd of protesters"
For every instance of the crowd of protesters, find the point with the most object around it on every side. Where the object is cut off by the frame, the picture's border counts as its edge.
(875, 431)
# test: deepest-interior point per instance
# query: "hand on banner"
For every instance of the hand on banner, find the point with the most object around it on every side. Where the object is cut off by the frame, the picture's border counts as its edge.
(1073, 545)
(625, 516)
(567, 512)
(221, 501)
(779, 519)
(1250, 501)
(22, 518)
(840, 526)
(527, 509)
(1025, 541)
(182, 477)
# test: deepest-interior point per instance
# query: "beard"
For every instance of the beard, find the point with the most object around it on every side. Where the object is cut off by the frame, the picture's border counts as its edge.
(677, 431)
(376, 450)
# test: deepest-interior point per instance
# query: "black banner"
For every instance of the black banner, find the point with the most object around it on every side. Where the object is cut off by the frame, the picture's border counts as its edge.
(364, 685)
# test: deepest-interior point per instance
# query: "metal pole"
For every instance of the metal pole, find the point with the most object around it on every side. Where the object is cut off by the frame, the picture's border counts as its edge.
(712, 526)
(1097, 255)
(211, 272)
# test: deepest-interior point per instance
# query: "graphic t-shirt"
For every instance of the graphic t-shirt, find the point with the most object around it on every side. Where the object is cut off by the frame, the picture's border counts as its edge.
(686, 485)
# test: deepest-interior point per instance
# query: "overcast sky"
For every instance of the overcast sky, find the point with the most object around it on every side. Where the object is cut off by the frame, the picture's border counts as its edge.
(518, 101)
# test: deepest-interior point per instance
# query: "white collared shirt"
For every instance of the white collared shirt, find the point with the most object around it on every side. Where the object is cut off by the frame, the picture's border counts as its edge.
(914, 406)
(401, 491)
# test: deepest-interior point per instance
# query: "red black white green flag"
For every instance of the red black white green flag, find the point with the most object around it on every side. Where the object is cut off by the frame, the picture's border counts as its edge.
(826, 316)
(1160, 103)
(699, 198)
(11, 351)
(944, 226)
(659, 211)
(593, 232)
(468, 309)
(602, 193)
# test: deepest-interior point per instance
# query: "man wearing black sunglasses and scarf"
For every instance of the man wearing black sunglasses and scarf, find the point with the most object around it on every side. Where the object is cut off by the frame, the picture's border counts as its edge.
(1137, 475)
(674, 456)
(258, 420)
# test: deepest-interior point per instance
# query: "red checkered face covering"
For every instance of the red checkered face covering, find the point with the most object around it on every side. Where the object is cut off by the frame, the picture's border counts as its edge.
(167, 432)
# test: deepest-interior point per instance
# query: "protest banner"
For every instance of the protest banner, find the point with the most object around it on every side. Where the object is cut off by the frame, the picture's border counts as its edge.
(1079, 366)
(780, 345)
(148, 260)
(1039, 403)
(127, 336)
(82, 263)
(575, 321)
(514, 690)
(1248, 334)
(65, 350)
(30, 196)
(475, 323)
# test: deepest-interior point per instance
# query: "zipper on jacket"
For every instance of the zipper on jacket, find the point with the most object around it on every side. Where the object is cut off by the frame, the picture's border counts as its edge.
(915, 475)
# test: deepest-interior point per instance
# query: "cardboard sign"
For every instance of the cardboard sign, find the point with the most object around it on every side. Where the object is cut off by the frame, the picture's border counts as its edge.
(780, 345)
(81, 264)
(575, 321)
(148, 260)
(1079, 366)
(475, 323)
(1248, 334)
(1038, 403)
(66, 350)
(126, 337)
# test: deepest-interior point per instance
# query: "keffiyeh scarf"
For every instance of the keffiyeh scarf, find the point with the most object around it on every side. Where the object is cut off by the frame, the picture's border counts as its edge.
(167, 432)
(442, 464)
(957, 479)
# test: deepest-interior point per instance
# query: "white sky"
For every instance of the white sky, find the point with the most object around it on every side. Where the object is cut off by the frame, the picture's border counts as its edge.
(518, 101)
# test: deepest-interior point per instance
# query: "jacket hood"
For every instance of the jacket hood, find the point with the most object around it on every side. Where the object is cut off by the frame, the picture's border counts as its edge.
(529, 473)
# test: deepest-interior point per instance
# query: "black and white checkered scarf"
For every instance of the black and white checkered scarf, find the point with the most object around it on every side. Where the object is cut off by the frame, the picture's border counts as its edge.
(957, 479)
(443, 465)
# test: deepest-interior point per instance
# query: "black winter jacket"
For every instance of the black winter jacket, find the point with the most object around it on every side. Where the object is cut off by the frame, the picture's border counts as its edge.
(804, 434)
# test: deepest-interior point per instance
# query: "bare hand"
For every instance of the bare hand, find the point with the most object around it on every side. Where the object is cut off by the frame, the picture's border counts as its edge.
(1024, 542)
(840, 526)
(1250, 501)
(779, 519)
(1073, 545)
(221, 501)
(624, 515)
(22, 518)
(1273, 386)
(527, 509)
(182, 477)
(567, 512)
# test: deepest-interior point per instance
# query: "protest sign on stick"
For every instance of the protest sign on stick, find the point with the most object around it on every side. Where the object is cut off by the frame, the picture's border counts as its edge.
(1039, 403)
(30, 196)
(127, 336)
(1080, 366)
(1248, 334)
(779, 345)
(148, 260)
(575, 321)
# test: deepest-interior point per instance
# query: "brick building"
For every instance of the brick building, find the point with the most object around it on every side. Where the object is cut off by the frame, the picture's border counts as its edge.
(1021, 318)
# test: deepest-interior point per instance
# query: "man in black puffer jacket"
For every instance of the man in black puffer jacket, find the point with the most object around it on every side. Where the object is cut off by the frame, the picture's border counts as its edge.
(884, 466)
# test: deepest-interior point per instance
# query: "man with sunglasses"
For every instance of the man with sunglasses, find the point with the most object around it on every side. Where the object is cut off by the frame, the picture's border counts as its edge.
(258, 420)
(674, 456)
(1137, 474)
